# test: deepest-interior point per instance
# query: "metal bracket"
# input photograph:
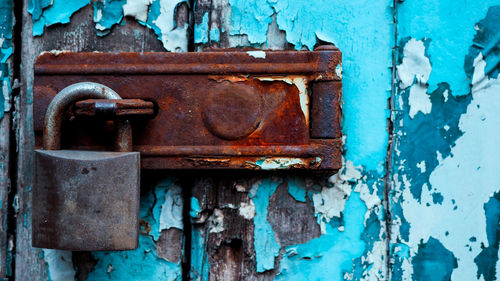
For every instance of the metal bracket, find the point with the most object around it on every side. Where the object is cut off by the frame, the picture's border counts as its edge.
(220, 109)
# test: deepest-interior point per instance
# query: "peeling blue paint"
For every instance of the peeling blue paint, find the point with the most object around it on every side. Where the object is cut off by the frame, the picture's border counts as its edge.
(265, 244)
(431, 133)
(195, 207)
(486, 261)
(296, 188)
(59, 264)
(6, 49)
(360, 29)
(160, 18)
(486, 41)
(433, 262)
(442, 152)
(173, 36)
(440, 23)
(330, 255)
(437, 198)
(140, 264)
(199, 258)
(107, 14)
(201, 31)
(214, 35)
(251, 18)
(35, 7)
(59, 12)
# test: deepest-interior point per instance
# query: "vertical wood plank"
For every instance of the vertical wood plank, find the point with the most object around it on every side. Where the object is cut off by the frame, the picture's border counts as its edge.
(289, 226)
(6, 76)
(160, 251)
(242, 221)
(5, 253)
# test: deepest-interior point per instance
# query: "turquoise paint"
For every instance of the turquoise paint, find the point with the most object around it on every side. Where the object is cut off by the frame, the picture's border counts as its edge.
(450, 26)
(200, 267)
(214, 35)
(107, 14)
(331, 255)
(59, 12)
(251, 17)
(485, 40)
(486, 261)
(427, 132)
(35, 7)
(437, 198)
(142, 263)
(154, 12)
(160, 190)
(45, 13)
(265, 244)
(401, 250)
(433, 262)
(362, 31)
(371, 232)
(439, 132)
(201, 31)
(195, 207)
(6, 49)
(297, 188)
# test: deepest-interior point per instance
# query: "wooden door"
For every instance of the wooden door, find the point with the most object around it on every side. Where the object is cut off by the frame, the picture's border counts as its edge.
(416, 199)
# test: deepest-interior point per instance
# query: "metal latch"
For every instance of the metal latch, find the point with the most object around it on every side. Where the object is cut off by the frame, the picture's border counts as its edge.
(220, 109)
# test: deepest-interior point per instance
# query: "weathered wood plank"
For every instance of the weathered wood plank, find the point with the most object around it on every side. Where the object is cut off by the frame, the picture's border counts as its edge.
(241, 221)
(300, 227)
(5, 253)
(160, 250)
(6, 76)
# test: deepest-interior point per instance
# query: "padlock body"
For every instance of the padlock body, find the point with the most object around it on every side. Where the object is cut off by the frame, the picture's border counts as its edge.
(86, 200)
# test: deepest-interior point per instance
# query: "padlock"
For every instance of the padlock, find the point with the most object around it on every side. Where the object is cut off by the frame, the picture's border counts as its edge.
(85, 200)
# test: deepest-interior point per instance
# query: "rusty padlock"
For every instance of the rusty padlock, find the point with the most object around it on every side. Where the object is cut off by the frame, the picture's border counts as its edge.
(85, 200)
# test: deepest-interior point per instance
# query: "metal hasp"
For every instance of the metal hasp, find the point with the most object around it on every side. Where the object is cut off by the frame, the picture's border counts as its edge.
(85, 200)
(213, 110)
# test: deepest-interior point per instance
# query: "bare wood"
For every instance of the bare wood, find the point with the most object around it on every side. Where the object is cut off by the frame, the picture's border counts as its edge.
(230, 249)
(4, 192)
(5, 127)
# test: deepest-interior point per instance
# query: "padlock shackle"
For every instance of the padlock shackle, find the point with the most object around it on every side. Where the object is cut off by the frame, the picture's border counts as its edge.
(73, 93)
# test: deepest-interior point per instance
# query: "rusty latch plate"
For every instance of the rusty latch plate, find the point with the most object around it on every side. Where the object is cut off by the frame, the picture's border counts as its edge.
(231, 110)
